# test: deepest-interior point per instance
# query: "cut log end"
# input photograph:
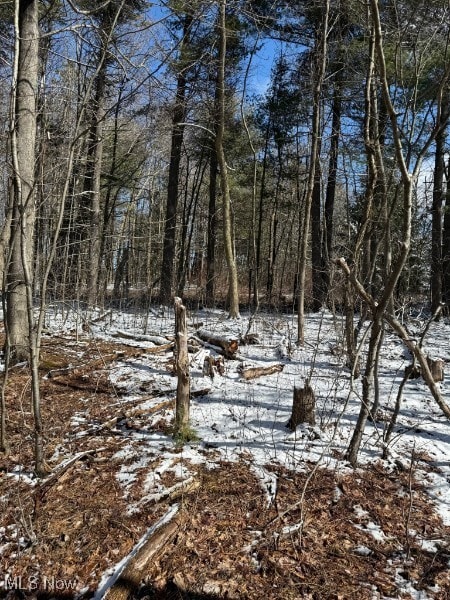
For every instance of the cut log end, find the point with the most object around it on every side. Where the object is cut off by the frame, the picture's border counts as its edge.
(226, 345)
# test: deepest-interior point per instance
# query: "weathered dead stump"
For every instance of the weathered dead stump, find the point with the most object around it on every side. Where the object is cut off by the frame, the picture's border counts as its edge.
(213, 365)
(436, 367)
(303, 407)
(182, 406)
(412, 371)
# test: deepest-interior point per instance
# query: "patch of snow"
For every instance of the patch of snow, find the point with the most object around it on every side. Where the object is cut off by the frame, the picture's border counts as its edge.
(268, 482)
(406, 586)
(247, 419)
(288, 529)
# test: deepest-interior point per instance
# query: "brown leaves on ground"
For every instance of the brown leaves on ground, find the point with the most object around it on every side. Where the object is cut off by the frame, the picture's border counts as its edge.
(75, 525)
(234, 546)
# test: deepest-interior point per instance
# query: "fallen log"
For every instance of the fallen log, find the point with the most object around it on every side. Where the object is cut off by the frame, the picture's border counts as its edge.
(173, 493)
(159, 349)
(258, 371)
(227, 345)
(99, 318)
(140, 337)
(124, 584)
(98, 386)
(63, 468)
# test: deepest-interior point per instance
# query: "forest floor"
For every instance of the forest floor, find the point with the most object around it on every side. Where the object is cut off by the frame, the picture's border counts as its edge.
(262, 512)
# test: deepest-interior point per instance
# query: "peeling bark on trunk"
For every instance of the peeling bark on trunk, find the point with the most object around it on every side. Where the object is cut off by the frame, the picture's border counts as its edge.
(182, 368)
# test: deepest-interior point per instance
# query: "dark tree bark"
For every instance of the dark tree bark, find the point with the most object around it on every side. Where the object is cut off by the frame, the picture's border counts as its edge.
(440, 234)
(436, 222)
(178, 117)
(446, 249)
(330, 194)
(317, 260)
(320, 61)
(212, 230)
(303, 407)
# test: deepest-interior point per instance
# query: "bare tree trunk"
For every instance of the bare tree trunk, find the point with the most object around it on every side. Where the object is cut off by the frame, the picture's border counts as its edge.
(318, 76)
(189, 220)
(178, 116)
(330, 194)
(446, 249)
(317, 262)
(436, 228)
(259, 236)
(95, 228)
(212, 230)
(233, 289)
(379, 309)
(23, 139)
(253, 266)
(368, 390)
(5, 238)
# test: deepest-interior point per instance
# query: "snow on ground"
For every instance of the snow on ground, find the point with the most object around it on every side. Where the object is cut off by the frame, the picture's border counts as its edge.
(246, 420)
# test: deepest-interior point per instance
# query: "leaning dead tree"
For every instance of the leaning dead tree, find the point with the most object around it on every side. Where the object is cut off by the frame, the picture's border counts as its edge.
(182, 406)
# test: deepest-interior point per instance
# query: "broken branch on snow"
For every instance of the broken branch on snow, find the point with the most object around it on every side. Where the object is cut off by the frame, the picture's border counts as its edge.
(253, 372)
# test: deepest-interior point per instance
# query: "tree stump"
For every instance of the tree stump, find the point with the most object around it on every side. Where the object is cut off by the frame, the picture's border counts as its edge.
(182, 406)
(303, 407)
(436, 367)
